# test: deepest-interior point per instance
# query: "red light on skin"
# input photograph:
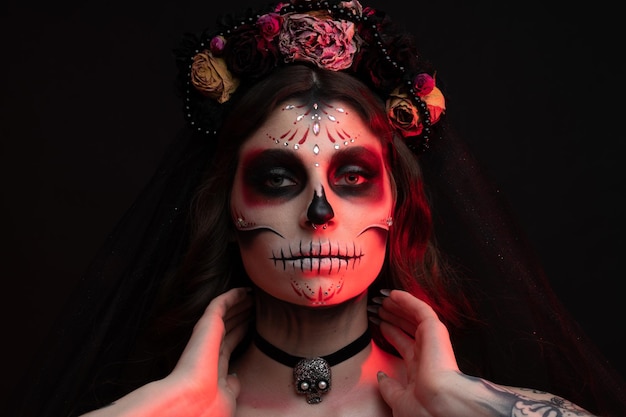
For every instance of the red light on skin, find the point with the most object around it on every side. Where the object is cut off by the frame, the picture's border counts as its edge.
(274, 188)
(322, 297)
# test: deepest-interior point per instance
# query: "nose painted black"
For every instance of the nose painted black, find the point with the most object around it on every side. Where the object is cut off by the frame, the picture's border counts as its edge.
(319, 212)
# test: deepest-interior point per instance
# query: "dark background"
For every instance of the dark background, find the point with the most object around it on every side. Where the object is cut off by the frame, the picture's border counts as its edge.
(88, 105)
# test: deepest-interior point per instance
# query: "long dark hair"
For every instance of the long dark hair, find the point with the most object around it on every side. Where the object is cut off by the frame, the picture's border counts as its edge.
(523, 338)
(213, 264)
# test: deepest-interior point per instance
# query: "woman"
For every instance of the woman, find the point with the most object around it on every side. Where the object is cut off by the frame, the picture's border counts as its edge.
(313, 217)
(314, 206)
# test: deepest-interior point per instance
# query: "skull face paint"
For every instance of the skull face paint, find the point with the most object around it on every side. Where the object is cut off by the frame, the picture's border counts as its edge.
(312, 219)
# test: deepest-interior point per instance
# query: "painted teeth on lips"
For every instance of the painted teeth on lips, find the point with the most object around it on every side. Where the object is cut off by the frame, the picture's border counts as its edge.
(318, 257)
(318, 264)
(319, 250)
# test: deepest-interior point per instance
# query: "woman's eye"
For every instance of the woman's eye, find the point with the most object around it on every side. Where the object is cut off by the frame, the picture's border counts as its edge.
(350, 178)
(278, 180)
(352, 175)
(355, 180)
(273, 173)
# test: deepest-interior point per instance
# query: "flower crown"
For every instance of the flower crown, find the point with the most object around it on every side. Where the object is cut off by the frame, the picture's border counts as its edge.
(331, 34)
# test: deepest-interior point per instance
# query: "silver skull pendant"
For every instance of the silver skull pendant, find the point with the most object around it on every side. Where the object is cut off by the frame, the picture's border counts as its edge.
(312, 378)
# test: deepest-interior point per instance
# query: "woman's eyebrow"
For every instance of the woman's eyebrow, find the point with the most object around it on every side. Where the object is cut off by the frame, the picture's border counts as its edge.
(357, 153)
(270, 157)
(290, 158)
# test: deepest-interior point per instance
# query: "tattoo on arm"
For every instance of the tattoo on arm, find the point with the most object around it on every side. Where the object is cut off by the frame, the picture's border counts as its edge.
(507, 402)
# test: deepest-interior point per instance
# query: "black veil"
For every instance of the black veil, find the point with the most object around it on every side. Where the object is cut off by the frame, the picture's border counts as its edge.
(527, 337)
(100, 323)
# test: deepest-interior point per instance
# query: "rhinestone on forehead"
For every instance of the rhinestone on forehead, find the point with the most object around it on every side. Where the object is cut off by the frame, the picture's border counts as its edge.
(315, 115)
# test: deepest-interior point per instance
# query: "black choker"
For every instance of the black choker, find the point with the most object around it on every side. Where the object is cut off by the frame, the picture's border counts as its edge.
(312, 375)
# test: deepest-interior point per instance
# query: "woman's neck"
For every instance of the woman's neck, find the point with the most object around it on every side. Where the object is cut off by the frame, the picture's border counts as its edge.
(269, 387)
(310, 331)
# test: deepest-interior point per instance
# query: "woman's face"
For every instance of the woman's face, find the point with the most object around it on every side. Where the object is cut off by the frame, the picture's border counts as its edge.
(312, 203)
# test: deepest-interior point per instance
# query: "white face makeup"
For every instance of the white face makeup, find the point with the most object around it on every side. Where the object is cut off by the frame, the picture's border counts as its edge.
(312, 202)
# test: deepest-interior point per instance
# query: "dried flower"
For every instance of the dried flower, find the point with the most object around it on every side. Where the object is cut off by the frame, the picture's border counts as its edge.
(211, 77)
(345, 37)
(217, 45)
(269, 25)
(436, 104)
(352, 6)
(249, 54)
(329, 44)
(423, 84)
(403, 114)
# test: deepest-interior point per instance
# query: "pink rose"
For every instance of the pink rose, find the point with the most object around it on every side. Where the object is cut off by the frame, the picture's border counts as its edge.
(217, 45)
(269, 25)
(423, 84)
(210, 76)
(326, 43)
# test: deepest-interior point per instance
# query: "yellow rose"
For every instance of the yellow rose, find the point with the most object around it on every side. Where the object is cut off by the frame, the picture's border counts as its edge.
(211, 77)
(405, 117)
(403, 114)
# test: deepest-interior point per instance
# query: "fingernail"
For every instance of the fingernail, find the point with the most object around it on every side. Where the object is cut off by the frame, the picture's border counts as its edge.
(373, 309)
(380, 375)
(374, 320)
(385, 292)
(378, 300)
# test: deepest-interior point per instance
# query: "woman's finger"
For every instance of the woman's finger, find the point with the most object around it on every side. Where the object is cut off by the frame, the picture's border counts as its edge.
(403, 303)
(236, 307)
(232, 338)
(399, 339)
(202, 353)
(432, 340)
(241, 311)
(385, 313)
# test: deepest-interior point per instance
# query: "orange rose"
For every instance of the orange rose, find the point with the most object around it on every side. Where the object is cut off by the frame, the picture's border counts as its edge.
(436, 104)
(210, 76)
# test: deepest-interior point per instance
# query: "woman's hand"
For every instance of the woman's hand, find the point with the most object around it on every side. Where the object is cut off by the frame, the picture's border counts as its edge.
(203, 367)
(435, 386)
(199, 385)
(422, 340)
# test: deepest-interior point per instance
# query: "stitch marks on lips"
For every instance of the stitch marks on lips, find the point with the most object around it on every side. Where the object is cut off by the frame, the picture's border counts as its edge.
(318, 260)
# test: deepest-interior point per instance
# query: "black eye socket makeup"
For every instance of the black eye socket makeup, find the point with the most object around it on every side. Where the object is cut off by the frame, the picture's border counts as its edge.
(275, 173)
(356, 171)
(353, 171)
